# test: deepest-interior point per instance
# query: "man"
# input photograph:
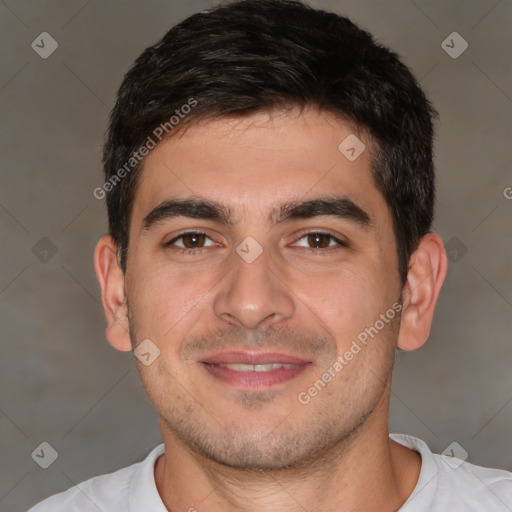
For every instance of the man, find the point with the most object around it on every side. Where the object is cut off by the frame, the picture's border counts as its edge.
(270, 190)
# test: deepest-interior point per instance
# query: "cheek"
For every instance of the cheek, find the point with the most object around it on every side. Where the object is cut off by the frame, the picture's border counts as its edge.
(345, 301)
(170, 301)
(161, 300)
(350, 304)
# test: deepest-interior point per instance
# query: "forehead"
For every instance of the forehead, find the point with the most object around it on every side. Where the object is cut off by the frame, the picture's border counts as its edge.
(252, 164)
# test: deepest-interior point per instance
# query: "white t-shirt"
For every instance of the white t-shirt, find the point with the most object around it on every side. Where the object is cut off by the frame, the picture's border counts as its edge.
(443, 486)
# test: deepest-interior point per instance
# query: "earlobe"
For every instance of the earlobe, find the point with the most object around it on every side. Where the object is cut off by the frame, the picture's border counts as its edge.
(427, 271)
(111, 279)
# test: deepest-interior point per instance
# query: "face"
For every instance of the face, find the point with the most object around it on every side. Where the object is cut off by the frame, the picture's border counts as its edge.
(259, 254)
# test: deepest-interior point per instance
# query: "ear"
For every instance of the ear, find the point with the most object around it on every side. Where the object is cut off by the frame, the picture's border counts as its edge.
(111, 279)
(427, 269)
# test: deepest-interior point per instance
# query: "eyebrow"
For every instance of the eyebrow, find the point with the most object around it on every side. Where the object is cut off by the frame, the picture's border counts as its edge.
(336, 206)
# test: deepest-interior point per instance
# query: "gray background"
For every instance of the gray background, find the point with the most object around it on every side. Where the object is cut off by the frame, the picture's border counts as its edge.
(60, 380)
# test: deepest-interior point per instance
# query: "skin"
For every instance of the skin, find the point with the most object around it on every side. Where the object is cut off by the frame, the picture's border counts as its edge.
(261, 449)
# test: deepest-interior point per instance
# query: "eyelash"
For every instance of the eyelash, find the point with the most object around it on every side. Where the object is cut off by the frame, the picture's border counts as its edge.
(199, 250)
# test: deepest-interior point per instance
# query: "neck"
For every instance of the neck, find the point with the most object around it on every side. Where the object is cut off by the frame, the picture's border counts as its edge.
(365, 471)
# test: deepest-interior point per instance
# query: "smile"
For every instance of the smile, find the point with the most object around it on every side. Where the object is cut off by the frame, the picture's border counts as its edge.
(253, 370)
(258, 367)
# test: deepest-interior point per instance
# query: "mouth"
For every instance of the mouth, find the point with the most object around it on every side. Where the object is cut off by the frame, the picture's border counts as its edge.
(252, 370)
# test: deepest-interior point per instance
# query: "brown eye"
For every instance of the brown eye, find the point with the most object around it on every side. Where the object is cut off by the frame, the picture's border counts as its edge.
(319, 240)
(193, 240)
(190, 240)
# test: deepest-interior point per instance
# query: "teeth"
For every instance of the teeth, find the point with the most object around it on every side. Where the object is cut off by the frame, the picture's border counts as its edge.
(257, 367)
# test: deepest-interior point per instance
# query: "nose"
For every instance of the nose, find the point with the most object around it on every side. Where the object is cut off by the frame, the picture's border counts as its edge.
(254, 295)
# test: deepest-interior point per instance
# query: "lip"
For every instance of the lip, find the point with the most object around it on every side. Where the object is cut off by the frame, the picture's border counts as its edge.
(253, 379)
(253, 358)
